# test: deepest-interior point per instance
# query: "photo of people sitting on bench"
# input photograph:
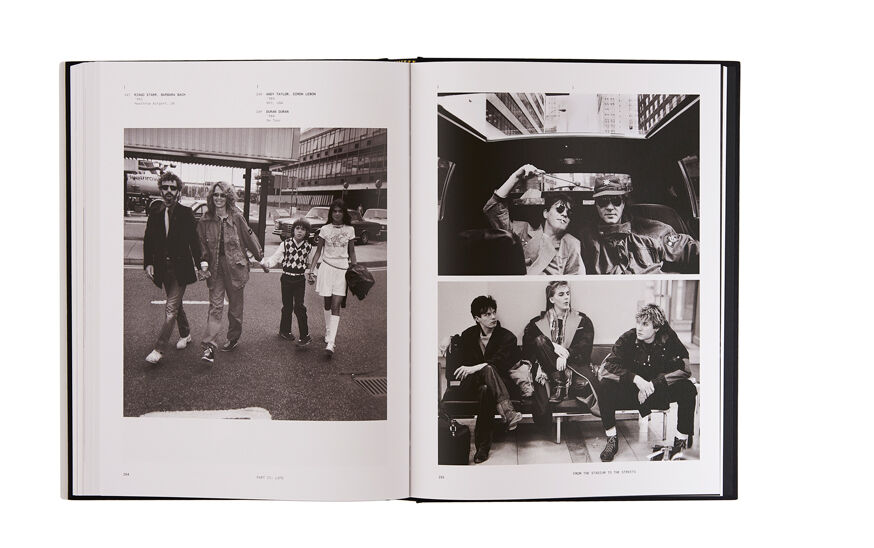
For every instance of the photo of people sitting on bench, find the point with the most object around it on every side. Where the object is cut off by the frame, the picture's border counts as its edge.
(561, 386)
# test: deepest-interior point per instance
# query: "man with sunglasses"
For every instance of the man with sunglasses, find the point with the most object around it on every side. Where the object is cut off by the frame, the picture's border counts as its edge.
(622, 244)
(170, 250)
(549, 248)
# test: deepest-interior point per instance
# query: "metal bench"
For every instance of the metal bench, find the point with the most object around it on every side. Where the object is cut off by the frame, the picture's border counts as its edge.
(458, 407)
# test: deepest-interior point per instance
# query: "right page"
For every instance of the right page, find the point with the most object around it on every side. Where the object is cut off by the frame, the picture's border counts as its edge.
(567, 280)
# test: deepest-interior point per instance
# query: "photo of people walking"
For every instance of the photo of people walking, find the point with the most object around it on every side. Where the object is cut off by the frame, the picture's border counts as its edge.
(195, 265)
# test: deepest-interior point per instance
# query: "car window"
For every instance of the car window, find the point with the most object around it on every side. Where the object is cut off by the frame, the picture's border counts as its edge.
(320, 213)
(375, 214)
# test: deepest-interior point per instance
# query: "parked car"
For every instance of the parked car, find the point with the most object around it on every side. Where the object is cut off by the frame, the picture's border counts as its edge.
(318, 217)
(379, 216)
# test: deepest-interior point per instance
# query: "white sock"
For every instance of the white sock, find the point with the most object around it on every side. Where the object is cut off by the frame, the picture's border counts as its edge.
(612, 432)
(335, 321)
(680, 436)
(327, 324)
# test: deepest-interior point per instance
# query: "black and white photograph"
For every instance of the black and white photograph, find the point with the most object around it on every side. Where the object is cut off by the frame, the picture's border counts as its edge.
(568, 184)
(568, 372)
(255, 273)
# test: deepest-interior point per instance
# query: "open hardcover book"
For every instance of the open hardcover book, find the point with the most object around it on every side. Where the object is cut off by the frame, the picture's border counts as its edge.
(437, 280)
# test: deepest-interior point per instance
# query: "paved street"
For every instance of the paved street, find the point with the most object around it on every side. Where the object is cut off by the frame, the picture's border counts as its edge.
(265, 371)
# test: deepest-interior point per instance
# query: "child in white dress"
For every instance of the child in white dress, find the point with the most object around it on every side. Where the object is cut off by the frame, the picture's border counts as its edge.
(336, 249)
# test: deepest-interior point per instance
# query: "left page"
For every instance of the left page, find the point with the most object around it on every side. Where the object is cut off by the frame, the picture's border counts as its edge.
(219, 350)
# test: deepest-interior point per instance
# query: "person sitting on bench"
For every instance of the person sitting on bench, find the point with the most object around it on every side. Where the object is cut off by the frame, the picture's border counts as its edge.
(559, 337)
(486, 354)
(647, 369)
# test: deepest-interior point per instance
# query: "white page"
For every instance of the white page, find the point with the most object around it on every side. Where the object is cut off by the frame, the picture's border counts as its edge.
(440, 303)
(173, 456)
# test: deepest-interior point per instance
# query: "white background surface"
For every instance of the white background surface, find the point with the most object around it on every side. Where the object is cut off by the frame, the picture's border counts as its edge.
(805, 308)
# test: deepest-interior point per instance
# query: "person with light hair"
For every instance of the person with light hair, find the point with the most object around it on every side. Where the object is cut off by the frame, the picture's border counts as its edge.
(557, 341)
(647, 368)
(226, 238)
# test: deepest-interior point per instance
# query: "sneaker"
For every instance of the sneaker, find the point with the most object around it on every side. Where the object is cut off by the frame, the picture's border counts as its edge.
(183, 342)
(286, 336)
(611, 449)
(514, 421)
(329, 350)
(305, 341)
(481, 455)
(208, 355)
(229, 345)
(154, 356)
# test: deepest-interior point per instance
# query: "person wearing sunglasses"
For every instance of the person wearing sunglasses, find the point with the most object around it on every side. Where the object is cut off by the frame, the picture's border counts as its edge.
(226, 238)
(549, 248)
(171, 248)
(622, 244)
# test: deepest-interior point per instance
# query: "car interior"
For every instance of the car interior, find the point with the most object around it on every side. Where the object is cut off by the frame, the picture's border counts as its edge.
(663, 169)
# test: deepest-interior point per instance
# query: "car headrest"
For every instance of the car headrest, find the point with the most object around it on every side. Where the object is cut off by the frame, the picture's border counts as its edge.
(661, 213)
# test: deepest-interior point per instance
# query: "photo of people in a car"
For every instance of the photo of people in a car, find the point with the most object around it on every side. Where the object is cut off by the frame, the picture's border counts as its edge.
(568, 184)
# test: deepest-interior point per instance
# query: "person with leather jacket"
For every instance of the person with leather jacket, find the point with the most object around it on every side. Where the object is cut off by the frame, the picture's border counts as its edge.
(557, 340)
(647, 368)
(486, 352)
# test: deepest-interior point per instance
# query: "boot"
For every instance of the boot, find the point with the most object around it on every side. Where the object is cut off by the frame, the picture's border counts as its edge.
(327, 325)
(557, 387)
(511, 416)
(677, 447)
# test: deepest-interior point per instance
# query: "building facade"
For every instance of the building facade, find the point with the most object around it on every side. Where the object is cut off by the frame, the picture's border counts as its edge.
(337, 162)
(497, 115)
(652, 110)
(618, 114)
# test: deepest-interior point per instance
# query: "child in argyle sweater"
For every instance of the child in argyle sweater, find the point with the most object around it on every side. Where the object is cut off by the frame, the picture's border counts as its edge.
(293, 254)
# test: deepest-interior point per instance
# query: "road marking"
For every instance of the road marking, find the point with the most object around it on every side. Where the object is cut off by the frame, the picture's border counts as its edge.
(185, 302)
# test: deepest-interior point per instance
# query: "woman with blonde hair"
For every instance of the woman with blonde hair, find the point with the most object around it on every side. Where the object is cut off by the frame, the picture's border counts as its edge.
(225, 237)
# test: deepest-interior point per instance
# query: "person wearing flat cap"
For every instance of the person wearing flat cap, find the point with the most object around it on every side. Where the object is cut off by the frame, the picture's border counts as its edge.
(549, 248)
(621, 244)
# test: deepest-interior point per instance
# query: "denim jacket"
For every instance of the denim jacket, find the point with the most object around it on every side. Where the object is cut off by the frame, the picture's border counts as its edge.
(238, 238)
